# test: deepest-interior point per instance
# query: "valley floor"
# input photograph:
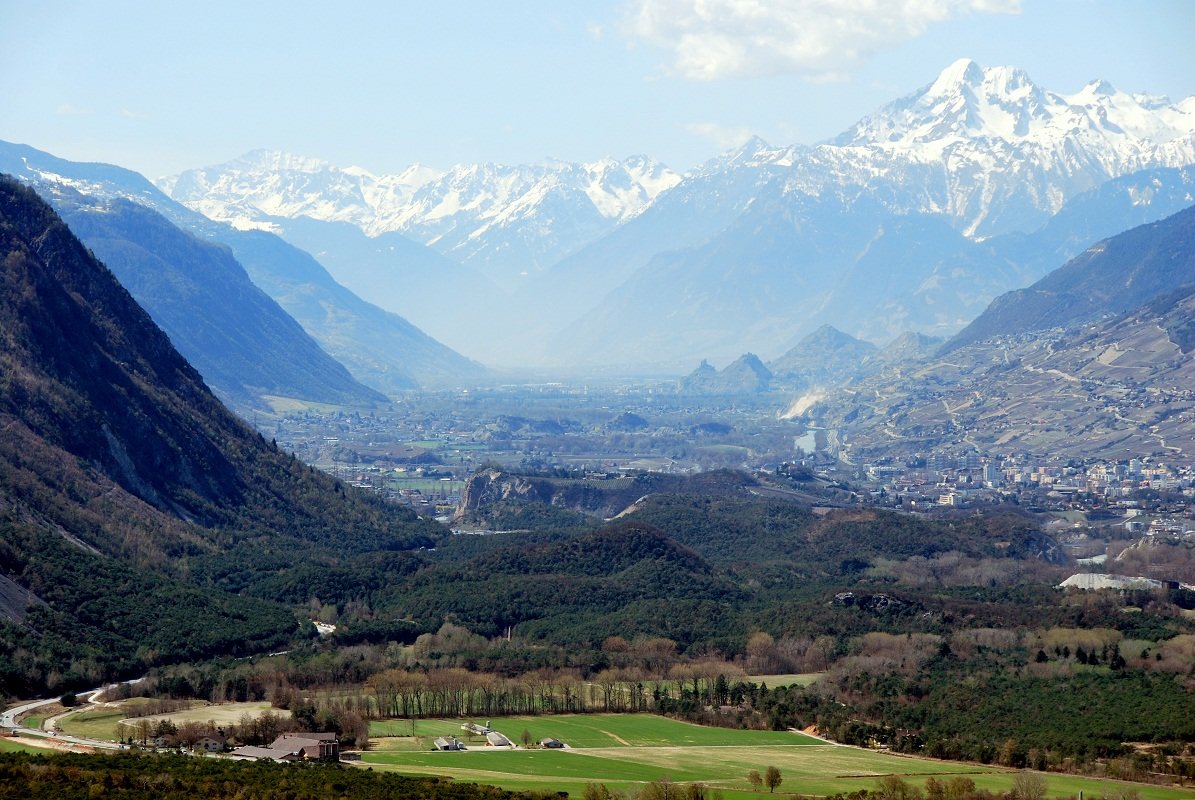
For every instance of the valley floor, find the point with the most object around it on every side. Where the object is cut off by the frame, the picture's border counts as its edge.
(626, 751)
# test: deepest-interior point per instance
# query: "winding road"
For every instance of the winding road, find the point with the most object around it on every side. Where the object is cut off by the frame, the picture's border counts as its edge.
(8, 719)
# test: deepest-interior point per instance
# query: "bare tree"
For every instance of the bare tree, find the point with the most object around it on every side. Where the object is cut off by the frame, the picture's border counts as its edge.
(1028, 786)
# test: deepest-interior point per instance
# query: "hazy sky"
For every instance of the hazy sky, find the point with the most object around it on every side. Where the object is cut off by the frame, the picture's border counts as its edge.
(163, 86)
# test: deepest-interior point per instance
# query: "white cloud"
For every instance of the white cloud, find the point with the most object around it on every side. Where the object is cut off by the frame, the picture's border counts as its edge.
(68, 110)
(725, 138)
(818, 39)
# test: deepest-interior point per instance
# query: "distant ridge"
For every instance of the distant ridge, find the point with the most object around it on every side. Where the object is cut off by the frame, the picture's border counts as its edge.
(1111, 277)
(380, 349)
(746, 375)
(239, 339)
(825, 358)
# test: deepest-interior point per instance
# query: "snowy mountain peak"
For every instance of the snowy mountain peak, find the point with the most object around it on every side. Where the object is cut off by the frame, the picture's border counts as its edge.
(1098, 88)
(963, 72)
(517, 218)
(968, 102)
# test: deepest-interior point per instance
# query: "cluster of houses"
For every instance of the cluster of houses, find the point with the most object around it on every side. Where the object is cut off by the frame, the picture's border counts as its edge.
(965, 479)
(492, 739)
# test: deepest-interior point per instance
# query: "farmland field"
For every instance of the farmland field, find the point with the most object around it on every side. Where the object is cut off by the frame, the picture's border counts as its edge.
(101, 722)
(625, 751)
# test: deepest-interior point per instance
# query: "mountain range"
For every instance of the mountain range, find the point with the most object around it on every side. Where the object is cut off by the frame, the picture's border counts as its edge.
(503, 221)
(912, 219)
(379, 349)
(242, 342)
(1092, 361)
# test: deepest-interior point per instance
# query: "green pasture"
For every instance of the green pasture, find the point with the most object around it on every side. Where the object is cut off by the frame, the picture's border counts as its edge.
(32, 721)
(625, 751)
(14, 745)
(791, 679)
(95, 723)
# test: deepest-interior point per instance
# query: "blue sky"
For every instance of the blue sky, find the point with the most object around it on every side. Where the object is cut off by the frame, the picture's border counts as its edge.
(163, 86)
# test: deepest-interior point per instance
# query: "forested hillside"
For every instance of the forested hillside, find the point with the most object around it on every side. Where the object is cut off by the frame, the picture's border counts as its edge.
(121, 474)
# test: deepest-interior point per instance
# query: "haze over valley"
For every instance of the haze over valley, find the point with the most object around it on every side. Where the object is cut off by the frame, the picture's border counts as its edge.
(840, 439)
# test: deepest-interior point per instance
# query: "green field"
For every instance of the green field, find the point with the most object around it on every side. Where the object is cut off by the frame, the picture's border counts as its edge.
(625, 751)
(792, 679)
(10, 745)
(95, 723)
(32, 721)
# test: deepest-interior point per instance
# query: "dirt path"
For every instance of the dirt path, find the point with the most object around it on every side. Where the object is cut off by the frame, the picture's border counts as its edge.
(618, 739)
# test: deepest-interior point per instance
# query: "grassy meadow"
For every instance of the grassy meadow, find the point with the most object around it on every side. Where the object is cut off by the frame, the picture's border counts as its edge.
(624, 751)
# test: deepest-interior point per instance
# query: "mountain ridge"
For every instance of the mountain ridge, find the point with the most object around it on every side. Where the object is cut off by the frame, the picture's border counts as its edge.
(379, 348)
(123, 479)
(932, 205)
(455, 212)
(1096, 365)
(242, 341)
(1111, 277)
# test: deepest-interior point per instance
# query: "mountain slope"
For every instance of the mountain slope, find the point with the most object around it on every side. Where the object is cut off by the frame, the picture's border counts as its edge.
(239, 339)
(826, 358)
(1063, 369)
(382, 350)
(116, 453)
(451, 301)
(1112, 277)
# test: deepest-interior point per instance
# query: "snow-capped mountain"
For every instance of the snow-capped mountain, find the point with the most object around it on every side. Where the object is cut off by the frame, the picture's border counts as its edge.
(380, 349)
(506, 221)
(991, 150)
(268, 184)
(912, 219)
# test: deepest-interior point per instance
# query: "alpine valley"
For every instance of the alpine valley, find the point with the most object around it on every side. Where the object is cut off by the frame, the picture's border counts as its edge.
(886, 441)
(911, 220)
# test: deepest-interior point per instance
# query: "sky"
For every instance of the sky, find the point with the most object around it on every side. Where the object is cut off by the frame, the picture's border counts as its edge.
(160, 87)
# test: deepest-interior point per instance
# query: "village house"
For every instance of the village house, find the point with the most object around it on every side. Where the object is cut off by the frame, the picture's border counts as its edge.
(296, 746)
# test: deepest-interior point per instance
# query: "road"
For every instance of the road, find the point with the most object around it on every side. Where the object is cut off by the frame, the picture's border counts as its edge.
(8, 719)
